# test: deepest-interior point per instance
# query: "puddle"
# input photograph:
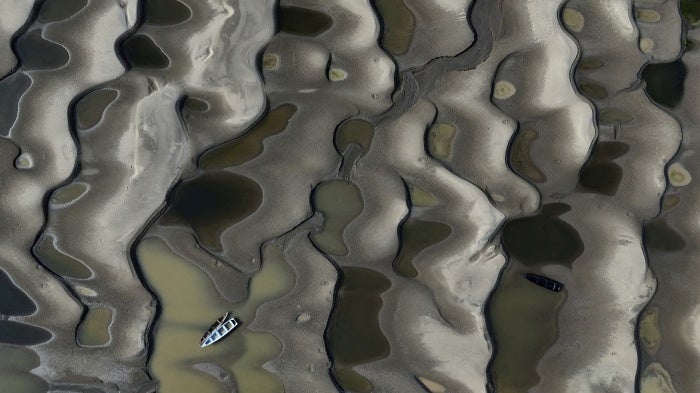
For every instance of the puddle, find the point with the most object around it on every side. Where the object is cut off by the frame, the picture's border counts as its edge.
(690, 9)
(17, 333)
(55, 10)
(590, 63)
(524, 325)
(612, 116)
(340, 202)
(250, 145)
(397, 23)
(141, 52)
(90, 108)
(13, 301)
(649, 334)
(354, 131)
(190, 303)
(165, 12)
(542, 239)
(94, 329)
(59, 262)
(417, 235)
(593, 90)
(211, 203)
(17, 358)
(22, 382)
(440, 137)
(665, 82)
(660, 236)
(655, 379)
(421, 198)
(192, 106)
(15, 365)
(303, 21)
(11, 90)
(520, 158)
(353, 334)
(36, 53)
(670, 201)
(68, 193)
(600, 174)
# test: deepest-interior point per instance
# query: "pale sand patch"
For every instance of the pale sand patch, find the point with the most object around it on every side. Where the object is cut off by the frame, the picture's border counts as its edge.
(573, 19)
(648, 16)
(503, 90)
(656, 379)
(678, 176)
(646, 45)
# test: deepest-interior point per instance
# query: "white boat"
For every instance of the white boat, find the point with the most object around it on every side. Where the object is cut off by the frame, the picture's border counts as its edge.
(223, 326)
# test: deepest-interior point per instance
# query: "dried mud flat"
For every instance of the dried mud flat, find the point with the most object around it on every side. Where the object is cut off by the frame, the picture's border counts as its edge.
(391, 195)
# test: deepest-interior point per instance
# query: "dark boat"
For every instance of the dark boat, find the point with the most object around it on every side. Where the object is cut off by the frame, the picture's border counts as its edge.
(544, 282)
(223, 326)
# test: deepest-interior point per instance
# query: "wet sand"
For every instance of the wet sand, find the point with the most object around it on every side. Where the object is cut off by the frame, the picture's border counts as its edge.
(391, 195)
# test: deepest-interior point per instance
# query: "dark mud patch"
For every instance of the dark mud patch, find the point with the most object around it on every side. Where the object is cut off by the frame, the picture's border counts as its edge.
(601, 174)
(141, 52)
(211, 203)
(303, 21)
(665, 82)
(13, 301)
(17, 333)
(165, 12)
(662, 237)
(542, 239)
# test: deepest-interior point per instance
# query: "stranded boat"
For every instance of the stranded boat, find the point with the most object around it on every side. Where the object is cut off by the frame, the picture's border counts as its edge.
(223, 326)
(544, 282)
